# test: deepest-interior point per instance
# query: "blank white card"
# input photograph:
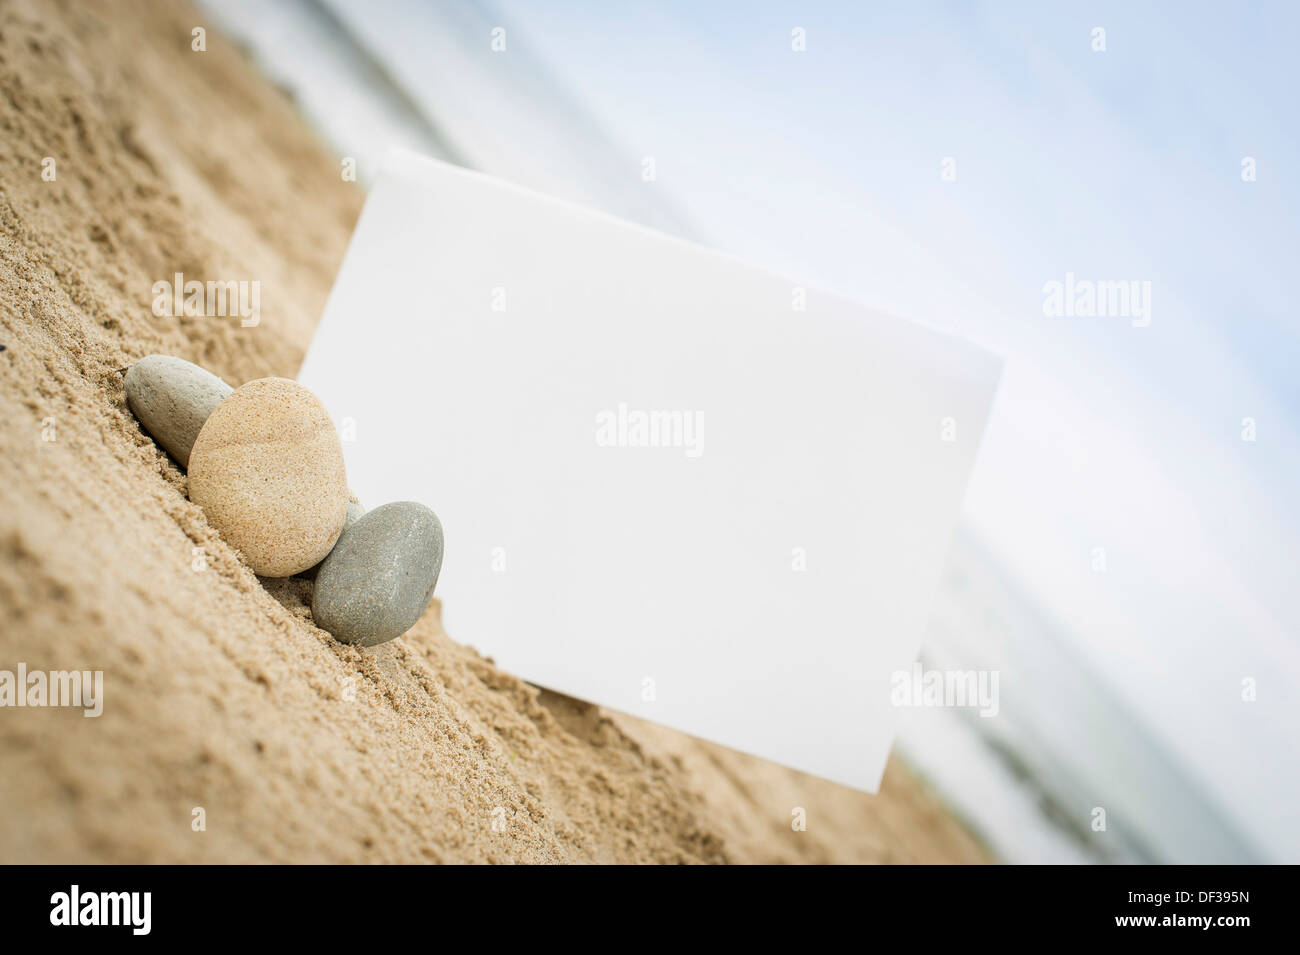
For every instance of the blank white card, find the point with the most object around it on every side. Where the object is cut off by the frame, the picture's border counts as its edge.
(672, 484)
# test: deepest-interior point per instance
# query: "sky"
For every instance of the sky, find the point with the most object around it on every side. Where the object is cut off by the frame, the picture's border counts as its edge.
(1122, 164)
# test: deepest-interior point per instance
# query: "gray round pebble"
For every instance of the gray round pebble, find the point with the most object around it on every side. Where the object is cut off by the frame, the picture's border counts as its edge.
(173, 398)
(379, 578)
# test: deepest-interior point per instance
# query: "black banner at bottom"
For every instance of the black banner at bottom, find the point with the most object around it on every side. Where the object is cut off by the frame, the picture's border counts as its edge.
(1179, 904)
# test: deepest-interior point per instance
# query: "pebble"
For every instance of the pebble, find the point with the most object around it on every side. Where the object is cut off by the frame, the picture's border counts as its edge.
(267, 469)
(173, 398)
(379, 578)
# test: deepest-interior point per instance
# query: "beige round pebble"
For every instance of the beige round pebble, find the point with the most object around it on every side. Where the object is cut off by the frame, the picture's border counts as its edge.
(267, 469)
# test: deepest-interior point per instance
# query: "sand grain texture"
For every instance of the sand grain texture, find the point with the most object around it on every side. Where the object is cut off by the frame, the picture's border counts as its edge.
(219, 691)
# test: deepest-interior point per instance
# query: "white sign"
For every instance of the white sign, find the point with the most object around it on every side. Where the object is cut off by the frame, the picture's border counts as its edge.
(672, 484)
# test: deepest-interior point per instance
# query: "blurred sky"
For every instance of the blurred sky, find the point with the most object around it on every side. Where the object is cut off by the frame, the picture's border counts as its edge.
(1123, 164)
(825, 164)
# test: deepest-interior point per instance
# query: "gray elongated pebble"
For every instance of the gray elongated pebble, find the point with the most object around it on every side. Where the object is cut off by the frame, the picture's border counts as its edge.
(173, 398)
(379, 578)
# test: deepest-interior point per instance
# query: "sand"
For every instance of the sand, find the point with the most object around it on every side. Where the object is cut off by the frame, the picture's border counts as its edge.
(219, 693)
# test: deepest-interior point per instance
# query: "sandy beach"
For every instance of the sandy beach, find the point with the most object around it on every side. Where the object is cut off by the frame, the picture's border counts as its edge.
(220, 694)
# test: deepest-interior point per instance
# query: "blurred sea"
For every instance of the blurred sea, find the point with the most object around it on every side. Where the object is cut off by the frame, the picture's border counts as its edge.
(423, 75)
